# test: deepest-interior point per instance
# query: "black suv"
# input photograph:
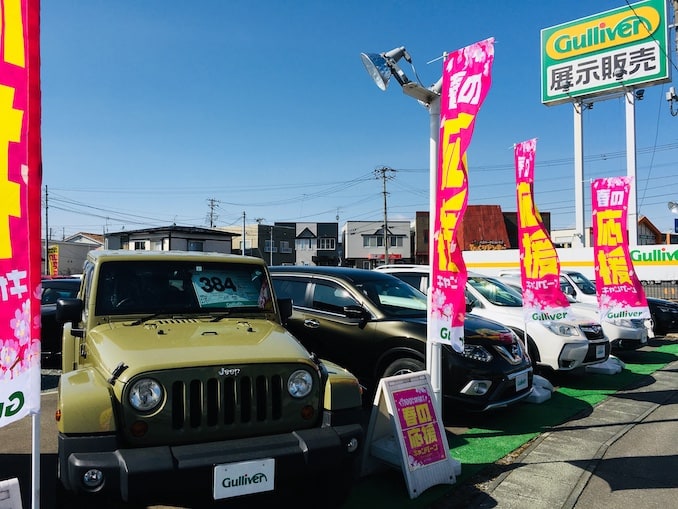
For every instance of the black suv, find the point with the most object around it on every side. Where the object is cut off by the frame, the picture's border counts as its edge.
(375, 324)
(51, 331)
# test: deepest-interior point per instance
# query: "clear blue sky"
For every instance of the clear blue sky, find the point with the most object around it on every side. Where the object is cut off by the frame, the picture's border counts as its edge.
(153, 109)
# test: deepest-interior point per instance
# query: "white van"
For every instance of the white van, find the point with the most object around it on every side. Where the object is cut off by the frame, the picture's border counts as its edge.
(559, 345)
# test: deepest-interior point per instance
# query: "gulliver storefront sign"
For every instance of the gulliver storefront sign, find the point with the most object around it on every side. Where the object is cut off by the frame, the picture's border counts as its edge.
(600, 54)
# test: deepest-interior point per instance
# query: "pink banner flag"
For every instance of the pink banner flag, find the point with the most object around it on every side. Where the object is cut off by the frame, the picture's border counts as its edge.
(20, 183)
(543, 300)
(620, 293)
(466, 81)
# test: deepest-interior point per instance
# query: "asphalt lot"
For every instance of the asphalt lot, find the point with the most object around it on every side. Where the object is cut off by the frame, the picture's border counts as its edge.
(15, 447)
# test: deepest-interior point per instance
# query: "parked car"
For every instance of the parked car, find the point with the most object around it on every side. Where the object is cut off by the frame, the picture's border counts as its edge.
(375, 325)
(51, 331)
(557, 345)
(623, 333)
(180, 386)
(664, 315)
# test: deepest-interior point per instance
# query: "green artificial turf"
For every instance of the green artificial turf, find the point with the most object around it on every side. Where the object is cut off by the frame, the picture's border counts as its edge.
(491, 437)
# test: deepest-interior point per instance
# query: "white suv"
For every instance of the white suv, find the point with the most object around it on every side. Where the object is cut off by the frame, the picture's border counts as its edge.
(559, 345)
(623, 333)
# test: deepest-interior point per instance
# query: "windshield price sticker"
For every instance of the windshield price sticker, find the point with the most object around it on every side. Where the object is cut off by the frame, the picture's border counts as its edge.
(221, 289)
(243, 478)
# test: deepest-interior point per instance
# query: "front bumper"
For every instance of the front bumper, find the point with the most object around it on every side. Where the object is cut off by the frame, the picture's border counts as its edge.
(155, 474)
(583, 353)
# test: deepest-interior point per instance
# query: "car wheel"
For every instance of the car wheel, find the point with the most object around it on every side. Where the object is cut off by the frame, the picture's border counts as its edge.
(403, 366)
(656, 328)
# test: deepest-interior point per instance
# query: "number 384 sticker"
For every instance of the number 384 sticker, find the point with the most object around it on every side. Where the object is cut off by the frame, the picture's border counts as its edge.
(218, 289)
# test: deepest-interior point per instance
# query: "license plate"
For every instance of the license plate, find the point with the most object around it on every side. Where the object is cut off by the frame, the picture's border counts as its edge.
(600, 351)
(243, 478)
(521, 382)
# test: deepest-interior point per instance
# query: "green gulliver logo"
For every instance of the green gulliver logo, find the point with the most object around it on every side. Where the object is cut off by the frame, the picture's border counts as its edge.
(604, 32)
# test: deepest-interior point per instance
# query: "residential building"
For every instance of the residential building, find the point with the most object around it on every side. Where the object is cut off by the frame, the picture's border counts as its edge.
(166, 238)
(289, 243)
(367, 245)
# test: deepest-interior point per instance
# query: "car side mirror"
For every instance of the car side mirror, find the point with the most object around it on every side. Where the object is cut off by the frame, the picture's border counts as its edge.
(70, 310)
(354, 311)
(285, 306)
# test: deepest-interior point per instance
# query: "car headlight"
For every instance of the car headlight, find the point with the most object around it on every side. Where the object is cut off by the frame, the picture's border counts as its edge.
(562, 329)
(145, 395)
(477, 353)
(300, 384)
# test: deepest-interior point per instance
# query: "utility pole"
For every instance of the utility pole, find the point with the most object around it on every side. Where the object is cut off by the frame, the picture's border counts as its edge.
(212, 215)
(383, 174)
(244, 240)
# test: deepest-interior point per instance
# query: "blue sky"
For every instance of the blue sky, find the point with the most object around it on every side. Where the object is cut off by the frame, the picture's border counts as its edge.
(155, 109)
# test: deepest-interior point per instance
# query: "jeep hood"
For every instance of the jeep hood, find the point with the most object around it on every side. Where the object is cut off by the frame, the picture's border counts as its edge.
(177, 343)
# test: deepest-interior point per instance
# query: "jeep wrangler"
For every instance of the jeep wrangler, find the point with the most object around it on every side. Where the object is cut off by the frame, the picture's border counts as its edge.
(180, 381)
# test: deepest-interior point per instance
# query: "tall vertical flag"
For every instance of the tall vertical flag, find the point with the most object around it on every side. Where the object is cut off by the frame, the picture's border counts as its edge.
(620, 293)
(543, 300)
(466, 82)
(20, 185)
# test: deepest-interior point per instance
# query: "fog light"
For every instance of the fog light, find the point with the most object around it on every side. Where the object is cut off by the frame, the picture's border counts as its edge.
(352, 445)
(477, 387)
(93, 478)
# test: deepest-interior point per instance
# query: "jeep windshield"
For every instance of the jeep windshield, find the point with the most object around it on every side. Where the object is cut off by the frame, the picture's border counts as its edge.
(182, 287)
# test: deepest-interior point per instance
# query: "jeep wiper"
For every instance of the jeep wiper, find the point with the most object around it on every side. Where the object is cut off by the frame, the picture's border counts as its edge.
(246, 310)
(219, 316)
(146, 318)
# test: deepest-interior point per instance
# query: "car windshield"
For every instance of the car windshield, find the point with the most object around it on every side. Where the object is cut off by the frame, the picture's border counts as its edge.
(174, 286)
(495, 291)
(584, 283)
(394, 297)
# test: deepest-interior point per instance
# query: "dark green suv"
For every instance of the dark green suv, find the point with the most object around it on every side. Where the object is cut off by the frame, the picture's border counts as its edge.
(179, 381)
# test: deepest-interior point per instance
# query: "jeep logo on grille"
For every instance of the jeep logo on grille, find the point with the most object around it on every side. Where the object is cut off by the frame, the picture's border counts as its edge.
(229, 372)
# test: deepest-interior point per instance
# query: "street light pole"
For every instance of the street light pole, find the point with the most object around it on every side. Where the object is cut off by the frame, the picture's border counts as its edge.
(381, 67)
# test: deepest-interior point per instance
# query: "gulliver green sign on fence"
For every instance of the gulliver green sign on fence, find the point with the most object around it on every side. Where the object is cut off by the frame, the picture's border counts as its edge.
(605, 53)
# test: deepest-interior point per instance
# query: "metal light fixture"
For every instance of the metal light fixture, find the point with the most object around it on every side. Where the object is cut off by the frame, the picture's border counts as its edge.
(673, 207)
(381, 66)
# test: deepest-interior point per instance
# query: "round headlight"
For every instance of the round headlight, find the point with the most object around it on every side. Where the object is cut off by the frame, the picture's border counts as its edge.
(145, 395)
(300, 384)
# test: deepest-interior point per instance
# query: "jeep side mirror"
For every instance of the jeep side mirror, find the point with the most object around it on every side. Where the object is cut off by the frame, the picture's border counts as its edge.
(70, 310)
(285, 306)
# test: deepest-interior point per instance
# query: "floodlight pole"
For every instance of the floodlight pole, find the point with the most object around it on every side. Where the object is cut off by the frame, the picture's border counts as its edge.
(631, 166)
(430, 98)
(580, 222)
(433, 348)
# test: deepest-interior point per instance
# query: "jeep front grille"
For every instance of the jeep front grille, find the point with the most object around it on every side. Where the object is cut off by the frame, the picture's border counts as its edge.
(202, 405)
(228, 401)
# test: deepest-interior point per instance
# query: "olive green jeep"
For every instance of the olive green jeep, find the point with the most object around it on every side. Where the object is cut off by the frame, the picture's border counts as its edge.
(179, 381)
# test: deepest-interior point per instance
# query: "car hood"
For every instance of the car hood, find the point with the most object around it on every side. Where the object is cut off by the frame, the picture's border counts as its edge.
(479, 329)
(476, 329)
(176, 343)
